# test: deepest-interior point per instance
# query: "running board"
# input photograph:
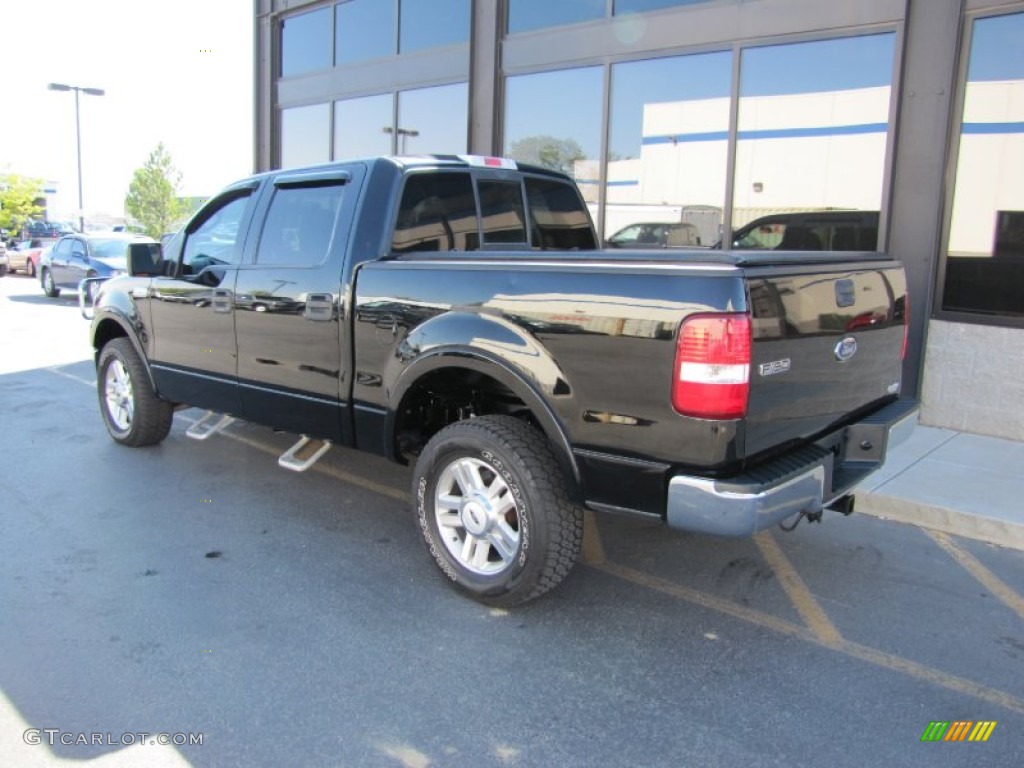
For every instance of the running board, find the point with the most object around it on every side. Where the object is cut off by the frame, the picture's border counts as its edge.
(206, 427)
(304, 454)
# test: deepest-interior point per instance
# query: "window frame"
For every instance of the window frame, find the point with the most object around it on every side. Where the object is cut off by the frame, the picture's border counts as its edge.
(247, 191)
(334, 177)
(970, 17)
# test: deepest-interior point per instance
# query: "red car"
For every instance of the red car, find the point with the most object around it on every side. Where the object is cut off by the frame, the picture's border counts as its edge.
(26, 254)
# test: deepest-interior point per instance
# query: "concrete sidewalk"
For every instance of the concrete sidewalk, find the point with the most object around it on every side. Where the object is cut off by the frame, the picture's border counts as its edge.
(963, 484)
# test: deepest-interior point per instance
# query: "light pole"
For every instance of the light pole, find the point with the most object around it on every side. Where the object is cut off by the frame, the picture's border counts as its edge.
(78, 138)
(402, 133)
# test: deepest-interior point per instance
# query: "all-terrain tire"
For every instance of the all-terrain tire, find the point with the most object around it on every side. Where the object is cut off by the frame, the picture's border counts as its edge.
(492, 505)
(132, 412)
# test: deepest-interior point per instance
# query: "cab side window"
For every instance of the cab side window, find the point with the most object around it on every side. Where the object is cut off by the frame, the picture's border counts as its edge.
(299, 225)
(437, 213)
(77, 249)
(213, 243)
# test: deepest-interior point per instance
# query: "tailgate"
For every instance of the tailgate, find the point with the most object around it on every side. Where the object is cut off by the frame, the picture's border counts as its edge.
(827, 342)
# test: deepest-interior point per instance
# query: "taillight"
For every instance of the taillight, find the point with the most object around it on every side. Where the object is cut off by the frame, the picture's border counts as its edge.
(711, 378)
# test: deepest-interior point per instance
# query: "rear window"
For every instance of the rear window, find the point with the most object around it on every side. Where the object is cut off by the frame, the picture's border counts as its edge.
(501, 211)
(558, 218)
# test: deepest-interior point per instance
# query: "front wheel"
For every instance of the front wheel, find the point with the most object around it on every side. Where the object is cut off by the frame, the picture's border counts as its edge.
(493, 509)
(49, 287)
(132, 412)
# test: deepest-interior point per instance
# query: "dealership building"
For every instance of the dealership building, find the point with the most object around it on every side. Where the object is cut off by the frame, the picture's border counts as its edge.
(716, 111)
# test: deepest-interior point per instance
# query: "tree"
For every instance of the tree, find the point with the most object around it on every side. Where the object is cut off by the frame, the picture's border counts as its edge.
(557, 154)
(152, 198)
(18, 196)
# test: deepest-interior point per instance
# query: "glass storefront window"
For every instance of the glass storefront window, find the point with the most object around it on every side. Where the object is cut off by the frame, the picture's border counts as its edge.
(667, 151)
(553, 119)
(305, 135)
(359, 126)
(364, 29)
(306, 42)
(432, 23)
(433, 120)
(640, 6)
(984, 261)
(812, 136)
(524, 15)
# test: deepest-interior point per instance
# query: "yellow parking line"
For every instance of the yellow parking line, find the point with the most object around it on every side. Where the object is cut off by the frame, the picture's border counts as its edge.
(807, 606)
(750, 615)
(853, 650)
(999, 589)
(593, 549)
(338, 474)
(820, 629)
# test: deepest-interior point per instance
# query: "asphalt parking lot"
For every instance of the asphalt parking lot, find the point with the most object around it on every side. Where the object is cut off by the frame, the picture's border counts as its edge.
(195, 588)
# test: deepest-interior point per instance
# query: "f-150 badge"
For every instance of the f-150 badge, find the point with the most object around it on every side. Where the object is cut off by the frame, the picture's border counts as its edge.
(775, 366)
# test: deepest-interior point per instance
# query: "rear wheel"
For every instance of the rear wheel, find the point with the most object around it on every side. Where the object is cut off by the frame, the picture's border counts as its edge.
(132, 412)
(493, 509)
(49, 287)
(30, 268)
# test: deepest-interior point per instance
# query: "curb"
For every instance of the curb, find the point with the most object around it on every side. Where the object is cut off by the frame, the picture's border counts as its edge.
(968, 526)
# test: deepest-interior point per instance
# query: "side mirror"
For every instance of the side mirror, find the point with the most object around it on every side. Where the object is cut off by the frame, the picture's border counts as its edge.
(145, 259)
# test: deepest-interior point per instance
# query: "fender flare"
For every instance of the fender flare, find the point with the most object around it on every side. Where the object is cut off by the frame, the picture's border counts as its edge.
(476, 360)
(108, 315)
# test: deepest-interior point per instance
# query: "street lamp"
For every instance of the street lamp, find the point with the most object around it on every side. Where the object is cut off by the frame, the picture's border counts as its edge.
(402, 133)
(78, 138)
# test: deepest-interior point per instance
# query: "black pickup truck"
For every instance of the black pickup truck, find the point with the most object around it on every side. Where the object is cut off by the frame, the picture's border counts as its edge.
(455, 312)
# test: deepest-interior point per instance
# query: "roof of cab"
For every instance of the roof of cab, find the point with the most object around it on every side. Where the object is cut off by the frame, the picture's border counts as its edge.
(397, 161)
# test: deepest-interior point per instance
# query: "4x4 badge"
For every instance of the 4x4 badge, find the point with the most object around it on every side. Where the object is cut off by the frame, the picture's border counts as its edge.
(846, 349)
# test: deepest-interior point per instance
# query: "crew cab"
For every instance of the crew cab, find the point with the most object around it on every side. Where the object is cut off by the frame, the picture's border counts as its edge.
(455, 313)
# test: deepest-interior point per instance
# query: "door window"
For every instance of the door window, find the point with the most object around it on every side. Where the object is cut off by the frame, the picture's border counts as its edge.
(212, 243)
(299, 226)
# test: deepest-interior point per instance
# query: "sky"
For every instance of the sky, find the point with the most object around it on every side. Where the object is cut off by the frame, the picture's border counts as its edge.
(176, 72)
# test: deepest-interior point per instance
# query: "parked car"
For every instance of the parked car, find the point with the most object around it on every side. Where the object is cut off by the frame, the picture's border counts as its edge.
(25, 255)
(40, 229)
(656, 235)
(810, 231)
(76, 257)
(382, 304)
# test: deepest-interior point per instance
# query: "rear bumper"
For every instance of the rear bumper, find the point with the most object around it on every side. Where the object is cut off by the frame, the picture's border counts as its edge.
(807, 480)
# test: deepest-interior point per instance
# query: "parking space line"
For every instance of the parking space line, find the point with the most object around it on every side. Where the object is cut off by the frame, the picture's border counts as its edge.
(56, 369)
(703, 599)
(996, 586)
(854, 650)
(796, 590)
(338, 474)
(819, 629)
(593, 549)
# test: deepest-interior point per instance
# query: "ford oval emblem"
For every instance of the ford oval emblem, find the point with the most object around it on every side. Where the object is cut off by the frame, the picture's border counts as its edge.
(846, 349)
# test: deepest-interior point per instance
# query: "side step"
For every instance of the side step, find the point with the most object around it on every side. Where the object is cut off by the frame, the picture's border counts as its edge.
(304, 454)
(206, 427)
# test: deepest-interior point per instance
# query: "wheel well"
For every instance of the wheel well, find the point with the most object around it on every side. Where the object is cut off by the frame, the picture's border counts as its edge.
(448, 395)
(107, 330)
(445, 396)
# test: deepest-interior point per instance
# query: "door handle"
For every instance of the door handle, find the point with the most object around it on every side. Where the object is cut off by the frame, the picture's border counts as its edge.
(221, 301)
(319, 307)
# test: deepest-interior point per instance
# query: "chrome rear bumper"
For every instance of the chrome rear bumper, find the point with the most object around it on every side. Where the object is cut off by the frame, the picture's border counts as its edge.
(824, 471)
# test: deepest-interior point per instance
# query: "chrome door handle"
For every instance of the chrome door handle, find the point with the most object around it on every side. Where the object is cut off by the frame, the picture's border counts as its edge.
(319, 306)
(221, 301)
